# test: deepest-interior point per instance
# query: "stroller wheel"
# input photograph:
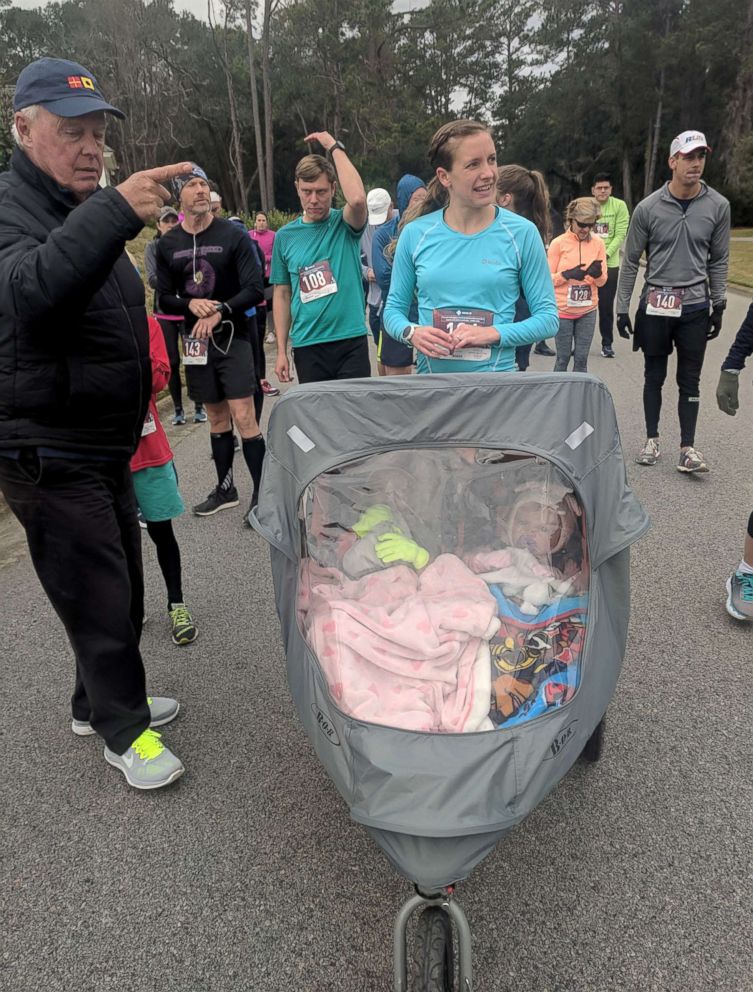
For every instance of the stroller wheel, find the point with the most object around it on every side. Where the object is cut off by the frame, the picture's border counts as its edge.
(433, 959)
(595, 743)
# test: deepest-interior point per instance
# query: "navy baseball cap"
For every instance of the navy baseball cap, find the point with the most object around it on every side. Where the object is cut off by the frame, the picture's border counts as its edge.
(62, 87)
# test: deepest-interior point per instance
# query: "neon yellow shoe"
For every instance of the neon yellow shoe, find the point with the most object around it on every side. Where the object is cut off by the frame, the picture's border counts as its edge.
(163, 709)
(147, 764)
(184, 629)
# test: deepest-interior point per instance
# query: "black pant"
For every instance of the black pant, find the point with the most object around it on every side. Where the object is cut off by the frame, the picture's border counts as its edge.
(607, 294)
(523, 356)
(261, 327)
(375, 321)
(346, 359)
(85, 545)
(658, 336)
(259, 363)
(171, 331)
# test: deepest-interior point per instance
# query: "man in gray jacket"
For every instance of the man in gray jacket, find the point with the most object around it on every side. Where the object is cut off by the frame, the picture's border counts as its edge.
(684, 230)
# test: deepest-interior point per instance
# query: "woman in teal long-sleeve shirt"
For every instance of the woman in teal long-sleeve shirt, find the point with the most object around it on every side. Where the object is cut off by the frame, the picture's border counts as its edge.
(467, 261)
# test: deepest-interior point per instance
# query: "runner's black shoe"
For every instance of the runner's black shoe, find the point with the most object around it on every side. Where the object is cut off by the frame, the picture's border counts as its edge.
(218, 499)
(542, 348)
(607, 352)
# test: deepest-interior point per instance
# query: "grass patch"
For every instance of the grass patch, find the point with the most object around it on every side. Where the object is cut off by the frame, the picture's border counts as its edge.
(741, 263)
(742, 232)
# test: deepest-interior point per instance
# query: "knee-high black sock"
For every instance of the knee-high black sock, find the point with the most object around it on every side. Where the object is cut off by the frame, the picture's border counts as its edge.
(222, 452)
(168, 556)
(254, 450)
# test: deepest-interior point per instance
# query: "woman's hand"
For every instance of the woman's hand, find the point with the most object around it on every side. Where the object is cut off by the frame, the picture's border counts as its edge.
(475, 336)
(432, 341)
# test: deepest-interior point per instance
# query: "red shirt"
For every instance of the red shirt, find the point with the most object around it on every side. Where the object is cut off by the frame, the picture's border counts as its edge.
(154, 449)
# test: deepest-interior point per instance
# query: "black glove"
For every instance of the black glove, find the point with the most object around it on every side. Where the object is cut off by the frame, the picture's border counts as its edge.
(578, 273)
(624, 327)
(715, 322)
(726, 392)
(594, 269)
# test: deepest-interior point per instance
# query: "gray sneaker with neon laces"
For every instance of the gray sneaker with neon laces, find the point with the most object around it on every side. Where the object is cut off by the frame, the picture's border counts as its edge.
(147, 764)
(740, 596)
(162, 708)
(185, 630)
(649, 453)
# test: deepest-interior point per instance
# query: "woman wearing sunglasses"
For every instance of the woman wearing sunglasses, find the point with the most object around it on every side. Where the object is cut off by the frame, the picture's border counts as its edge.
(578, 263)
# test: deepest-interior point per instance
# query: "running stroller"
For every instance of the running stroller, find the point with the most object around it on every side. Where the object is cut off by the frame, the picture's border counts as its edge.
(451, 571)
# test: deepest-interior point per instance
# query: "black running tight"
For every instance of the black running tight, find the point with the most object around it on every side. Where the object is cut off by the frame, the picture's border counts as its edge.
(168, 556)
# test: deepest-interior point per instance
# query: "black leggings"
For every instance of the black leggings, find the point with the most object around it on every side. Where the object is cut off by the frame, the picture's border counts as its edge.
(171, 330)
(261, 326)
(688, 379)
(688, 335)
(168, 556)
(260, 368)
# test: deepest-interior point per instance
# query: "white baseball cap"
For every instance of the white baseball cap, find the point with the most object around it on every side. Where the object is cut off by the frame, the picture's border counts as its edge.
(687, 142)
(378, 202)
(214, 197)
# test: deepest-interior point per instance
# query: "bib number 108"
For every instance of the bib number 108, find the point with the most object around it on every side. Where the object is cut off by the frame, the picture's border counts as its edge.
(313, 280)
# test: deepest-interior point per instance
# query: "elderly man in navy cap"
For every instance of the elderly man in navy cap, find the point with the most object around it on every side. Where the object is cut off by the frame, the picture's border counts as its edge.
(75, 380)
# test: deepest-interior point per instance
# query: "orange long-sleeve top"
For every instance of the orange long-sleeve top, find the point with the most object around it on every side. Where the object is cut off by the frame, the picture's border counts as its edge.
(567, 252)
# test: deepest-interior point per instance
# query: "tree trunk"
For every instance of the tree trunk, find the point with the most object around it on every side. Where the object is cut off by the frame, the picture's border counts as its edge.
(267, 97)
(648, 185)
(236, 157)
(739, 122)
(627, 180)
(258, 138)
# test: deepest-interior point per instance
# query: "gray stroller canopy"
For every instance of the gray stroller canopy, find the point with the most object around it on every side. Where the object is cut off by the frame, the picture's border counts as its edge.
(437, 802)
(567, 418)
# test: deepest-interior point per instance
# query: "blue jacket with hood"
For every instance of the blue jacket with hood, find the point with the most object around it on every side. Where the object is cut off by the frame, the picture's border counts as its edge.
(382, 266)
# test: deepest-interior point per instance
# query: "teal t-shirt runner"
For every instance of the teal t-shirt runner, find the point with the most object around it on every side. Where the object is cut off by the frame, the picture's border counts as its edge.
(321, 262)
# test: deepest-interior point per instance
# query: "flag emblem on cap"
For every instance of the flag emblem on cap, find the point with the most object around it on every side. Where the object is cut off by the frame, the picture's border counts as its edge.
(79, 82)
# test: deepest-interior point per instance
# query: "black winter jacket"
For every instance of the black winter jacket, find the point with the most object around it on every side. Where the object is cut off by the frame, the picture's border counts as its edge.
(74, 341)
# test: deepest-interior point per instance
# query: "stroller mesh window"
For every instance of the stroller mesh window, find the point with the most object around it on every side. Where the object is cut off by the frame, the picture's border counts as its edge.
(445, 590)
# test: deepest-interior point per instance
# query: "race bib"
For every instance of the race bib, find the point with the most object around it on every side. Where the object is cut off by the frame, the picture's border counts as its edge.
(194, 351)
(448, 318)
(150, 425)
(579, 295)
(601, 228)
(665, 301)
(316, 281)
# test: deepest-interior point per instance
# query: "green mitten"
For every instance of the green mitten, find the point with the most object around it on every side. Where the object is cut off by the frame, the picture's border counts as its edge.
(369, 519)
(395, 547)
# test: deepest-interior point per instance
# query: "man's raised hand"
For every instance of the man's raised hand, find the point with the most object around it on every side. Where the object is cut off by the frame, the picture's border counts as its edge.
(144, 192)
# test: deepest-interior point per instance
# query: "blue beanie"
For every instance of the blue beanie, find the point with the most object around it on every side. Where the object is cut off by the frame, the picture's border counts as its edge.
(406, 187)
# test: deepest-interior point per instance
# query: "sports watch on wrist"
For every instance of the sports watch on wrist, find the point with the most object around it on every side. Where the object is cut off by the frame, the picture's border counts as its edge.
(408, 333)
(337, 144)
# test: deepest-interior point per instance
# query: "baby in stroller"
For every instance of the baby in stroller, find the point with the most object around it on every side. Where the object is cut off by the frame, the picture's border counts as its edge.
(444, 589)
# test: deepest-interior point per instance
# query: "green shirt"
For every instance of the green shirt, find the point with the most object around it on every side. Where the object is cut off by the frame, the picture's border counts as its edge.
(321, 262)
(614, 213)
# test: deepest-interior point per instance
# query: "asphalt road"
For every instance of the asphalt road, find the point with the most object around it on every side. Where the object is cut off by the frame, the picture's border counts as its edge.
(635, 874)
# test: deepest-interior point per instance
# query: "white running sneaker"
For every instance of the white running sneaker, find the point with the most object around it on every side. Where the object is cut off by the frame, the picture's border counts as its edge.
(649, 453)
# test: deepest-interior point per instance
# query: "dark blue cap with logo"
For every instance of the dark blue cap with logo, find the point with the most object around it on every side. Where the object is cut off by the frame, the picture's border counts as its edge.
(62, 87)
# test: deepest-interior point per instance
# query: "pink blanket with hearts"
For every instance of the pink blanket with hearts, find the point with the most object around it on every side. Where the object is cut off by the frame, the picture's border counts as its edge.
(403, 649)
